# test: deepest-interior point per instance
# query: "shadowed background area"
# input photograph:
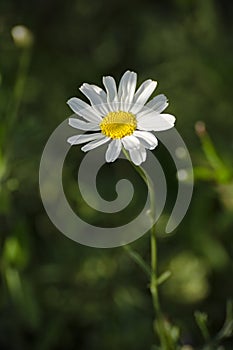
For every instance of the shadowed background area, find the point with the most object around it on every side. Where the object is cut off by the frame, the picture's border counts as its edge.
(54, 293)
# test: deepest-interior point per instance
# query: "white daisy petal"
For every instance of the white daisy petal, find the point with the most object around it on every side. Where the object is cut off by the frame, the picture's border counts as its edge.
(97, 97)
(113, 151)
(77, 139)
(156, 122)
(112, 96)
(95, 143)
(82, 125)
(126, 90)
(147, 139)
(158, 103)
(142, 95)
(138, 155)
(130, 142)
(83, 109)
(169, 117)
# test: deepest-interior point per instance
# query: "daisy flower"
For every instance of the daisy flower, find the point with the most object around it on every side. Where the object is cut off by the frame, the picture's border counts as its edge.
(122, 117)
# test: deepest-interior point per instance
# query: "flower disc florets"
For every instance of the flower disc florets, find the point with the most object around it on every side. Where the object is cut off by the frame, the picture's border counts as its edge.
(118, 124)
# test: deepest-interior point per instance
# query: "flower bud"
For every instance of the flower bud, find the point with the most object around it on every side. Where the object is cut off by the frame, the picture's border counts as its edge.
(22, 36)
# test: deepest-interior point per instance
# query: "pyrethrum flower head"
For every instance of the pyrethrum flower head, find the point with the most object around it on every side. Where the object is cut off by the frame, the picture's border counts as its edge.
(122, 117)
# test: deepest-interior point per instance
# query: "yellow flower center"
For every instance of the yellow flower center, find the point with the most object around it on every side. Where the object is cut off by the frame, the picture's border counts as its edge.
(118, 124)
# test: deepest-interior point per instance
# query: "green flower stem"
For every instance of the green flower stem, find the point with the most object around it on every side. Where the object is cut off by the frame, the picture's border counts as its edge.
(138, 260)
(18, 89)
(162, 278)
(159, 323)
(12, 109)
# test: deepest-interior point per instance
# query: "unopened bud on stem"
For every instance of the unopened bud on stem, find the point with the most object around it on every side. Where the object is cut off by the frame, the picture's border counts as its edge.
(200, 128)
(22, 36)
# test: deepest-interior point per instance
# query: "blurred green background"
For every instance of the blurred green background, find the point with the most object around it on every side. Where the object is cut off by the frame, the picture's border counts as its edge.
(56, 294)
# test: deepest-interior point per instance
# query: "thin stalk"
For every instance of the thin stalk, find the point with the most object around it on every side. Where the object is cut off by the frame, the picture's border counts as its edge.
(18, 90)
(12, 109)
(159, 321)
(159, 324)
(138, 260)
